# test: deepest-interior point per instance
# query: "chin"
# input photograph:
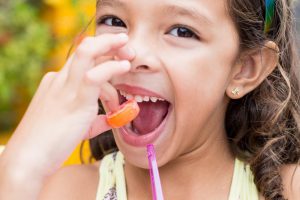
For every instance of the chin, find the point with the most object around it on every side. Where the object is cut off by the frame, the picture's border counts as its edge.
(137, 155)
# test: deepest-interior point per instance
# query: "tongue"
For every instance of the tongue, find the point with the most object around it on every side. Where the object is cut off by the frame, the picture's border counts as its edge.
(150, 116)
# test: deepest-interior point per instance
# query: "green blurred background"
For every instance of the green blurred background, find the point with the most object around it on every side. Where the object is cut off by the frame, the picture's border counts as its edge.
(35, 36)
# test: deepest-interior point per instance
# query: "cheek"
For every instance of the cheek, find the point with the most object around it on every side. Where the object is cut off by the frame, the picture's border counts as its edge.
(203, 77)
(199, 82)
(200, 93)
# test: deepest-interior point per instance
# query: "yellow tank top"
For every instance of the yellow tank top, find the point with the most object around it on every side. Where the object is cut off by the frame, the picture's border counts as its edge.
(112, 185)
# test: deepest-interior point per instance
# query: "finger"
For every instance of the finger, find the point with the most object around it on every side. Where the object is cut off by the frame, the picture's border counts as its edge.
(98, 126)
(88, 51)
(124, 53)
(90, 87)
(103, 59)
(65, 69)
(109, 95)
(44, 86)
(63, 72)
(105, 71)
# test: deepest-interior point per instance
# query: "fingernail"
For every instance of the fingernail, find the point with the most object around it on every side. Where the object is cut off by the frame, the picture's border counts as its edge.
(125, 64)
(123, 37)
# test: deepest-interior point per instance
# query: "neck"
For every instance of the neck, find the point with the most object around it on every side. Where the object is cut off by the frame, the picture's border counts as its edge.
(197, 174)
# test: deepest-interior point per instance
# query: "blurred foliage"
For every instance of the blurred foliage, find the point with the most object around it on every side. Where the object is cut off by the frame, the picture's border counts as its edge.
(68, 18)
(25, 41)
(34, 35)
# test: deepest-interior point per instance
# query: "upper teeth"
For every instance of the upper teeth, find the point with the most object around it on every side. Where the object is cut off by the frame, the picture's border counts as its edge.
(139, 98)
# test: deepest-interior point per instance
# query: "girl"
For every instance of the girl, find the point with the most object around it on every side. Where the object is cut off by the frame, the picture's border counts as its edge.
(217, 86)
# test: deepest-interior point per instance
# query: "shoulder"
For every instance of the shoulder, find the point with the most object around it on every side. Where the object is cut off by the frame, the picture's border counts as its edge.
(72, 182)
(291, 181)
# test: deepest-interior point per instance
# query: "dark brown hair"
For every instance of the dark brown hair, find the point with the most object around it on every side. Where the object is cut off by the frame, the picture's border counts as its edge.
(263, 126)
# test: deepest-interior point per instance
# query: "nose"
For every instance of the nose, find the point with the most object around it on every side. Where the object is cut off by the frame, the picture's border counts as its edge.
(146, 53)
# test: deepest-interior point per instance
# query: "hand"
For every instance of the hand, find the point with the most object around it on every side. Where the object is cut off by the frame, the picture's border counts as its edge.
(65, 107)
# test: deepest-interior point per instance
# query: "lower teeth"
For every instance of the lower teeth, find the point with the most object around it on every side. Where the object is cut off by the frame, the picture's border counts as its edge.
(129, 126)
(132, 128)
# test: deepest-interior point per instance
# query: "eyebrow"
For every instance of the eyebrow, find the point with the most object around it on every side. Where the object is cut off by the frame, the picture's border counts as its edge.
(109, 3)
(173, 10)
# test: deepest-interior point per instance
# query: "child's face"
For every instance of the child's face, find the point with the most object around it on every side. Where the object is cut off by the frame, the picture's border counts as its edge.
(185, 51)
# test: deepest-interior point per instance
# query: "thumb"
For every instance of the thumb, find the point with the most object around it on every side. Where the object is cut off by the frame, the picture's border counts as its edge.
(98, 126)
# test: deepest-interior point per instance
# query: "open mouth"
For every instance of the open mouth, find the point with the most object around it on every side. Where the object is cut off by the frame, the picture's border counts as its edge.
(149, 123)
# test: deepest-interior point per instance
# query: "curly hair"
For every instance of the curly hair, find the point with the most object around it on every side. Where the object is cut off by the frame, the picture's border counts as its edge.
(263, 126)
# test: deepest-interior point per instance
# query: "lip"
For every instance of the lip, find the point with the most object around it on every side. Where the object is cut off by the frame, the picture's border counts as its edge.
(143, 140)
(134, 90)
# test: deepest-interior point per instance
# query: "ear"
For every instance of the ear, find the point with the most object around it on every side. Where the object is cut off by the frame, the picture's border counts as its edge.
(252, 69)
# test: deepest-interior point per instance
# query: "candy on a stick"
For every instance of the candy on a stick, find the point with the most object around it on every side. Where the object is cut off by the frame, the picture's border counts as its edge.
(125, 114)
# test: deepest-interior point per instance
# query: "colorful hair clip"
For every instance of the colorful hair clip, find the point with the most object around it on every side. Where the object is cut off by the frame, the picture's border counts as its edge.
(270, 9)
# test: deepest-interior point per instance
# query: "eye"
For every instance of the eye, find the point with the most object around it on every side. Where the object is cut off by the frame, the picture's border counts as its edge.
(111, 21)
(183, 32)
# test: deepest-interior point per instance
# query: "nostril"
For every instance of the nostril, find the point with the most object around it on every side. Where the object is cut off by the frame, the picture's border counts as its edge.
(142, 67)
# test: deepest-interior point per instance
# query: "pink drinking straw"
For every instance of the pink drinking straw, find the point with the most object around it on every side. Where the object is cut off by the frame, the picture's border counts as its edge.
(154, 174)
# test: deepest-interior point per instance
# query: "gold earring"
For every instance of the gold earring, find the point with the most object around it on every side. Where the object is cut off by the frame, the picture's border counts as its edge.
(235, 91)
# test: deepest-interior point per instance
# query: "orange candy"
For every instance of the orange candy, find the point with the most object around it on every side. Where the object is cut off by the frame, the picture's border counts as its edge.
(127, 112)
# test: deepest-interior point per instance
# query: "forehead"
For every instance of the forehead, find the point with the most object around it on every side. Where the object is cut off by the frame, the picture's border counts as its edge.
(207, 10)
